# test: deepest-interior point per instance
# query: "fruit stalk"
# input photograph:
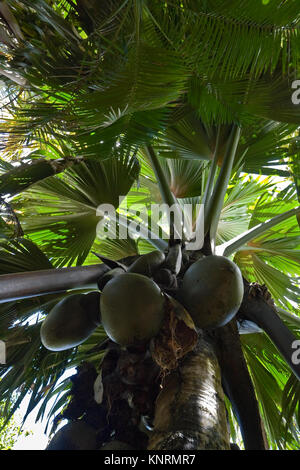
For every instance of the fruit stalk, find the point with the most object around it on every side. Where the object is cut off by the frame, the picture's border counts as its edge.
(215, 203)
(33, 283)
(166, 194)
(22, 285)
(258, 307)
(239, 388)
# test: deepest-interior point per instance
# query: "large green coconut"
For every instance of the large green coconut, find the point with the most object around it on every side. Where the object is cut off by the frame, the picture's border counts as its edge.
(212, 291)
(132, 308)
(76, 435)
(71, 321)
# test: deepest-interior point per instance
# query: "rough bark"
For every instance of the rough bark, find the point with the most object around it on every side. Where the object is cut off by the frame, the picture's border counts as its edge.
(190, 411)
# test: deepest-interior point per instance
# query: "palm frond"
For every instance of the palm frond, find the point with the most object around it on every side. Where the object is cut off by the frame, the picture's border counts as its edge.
(259, 38)
(270, 376)
(21, 177)
(60, 214)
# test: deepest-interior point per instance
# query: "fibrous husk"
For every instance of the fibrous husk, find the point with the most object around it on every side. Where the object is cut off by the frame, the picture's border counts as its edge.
(177, 337)
(137, 369)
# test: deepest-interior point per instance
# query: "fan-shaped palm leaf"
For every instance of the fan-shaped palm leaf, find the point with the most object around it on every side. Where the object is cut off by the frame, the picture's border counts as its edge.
(60, 213)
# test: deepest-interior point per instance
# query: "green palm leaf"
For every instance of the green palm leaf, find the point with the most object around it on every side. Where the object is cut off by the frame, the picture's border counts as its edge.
(270, 377)
(20, 178)
(62, 211)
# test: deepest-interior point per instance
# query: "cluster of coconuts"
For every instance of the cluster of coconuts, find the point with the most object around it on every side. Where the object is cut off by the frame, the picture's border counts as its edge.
(131, 306)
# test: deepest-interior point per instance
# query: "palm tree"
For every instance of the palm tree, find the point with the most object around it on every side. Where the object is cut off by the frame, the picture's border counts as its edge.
(178, 103)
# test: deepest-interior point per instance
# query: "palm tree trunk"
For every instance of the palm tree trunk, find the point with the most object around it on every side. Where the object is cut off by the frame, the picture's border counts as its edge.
(190, 412)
